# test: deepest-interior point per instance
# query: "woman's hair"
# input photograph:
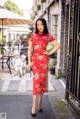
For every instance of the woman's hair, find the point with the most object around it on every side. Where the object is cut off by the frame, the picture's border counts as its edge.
(44, 24)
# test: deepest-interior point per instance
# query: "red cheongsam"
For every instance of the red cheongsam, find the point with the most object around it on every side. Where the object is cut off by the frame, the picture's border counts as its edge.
(40, 62)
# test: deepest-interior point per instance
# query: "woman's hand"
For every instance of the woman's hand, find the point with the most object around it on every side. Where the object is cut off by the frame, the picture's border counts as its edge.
(46, 53)
(30, 64)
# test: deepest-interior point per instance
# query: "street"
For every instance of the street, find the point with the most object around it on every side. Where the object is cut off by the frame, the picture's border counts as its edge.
(16, 98)
(19, 107)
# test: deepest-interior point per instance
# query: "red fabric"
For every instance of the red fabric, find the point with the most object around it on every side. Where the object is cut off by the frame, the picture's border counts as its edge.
(40, 62)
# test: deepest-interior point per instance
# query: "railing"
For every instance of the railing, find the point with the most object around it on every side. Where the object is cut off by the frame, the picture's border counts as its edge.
(73, 60)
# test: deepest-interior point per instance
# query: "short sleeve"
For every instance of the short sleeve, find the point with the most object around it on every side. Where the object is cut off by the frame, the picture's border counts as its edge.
(50, 38)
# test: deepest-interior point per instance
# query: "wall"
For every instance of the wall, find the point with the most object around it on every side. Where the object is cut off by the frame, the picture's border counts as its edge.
(56, 9)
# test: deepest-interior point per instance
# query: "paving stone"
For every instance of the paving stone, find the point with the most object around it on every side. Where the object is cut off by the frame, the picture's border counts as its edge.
(1, 83)
(13, 86)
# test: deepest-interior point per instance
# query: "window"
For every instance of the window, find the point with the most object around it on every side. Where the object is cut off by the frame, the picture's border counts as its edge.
(54, 24)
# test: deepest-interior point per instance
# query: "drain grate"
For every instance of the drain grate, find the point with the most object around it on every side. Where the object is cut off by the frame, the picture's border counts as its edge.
(3, 116)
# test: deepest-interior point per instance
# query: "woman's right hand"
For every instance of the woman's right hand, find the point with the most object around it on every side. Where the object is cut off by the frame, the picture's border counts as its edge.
(30, 64)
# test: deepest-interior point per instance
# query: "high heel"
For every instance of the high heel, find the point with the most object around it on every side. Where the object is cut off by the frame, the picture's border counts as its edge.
(33, 115)
(39, 109)
(33, 112)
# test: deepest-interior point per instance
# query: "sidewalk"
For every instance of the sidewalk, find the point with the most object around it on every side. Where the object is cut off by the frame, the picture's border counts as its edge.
(60, 106)
(14, 85)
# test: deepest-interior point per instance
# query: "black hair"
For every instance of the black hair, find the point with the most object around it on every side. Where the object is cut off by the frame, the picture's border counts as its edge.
(44, 24)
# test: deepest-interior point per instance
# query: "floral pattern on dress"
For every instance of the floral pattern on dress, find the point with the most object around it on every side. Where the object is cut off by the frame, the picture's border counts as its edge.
(40, 62)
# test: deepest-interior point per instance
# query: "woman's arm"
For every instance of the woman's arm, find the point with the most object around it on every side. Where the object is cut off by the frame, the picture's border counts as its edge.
(29, 53)
(56, 47)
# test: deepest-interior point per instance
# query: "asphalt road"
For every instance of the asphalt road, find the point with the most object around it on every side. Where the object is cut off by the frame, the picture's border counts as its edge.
(19, 107)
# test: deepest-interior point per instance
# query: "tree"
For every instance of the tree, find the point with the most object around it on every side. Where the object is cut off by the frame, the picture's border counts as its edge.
(12, 7)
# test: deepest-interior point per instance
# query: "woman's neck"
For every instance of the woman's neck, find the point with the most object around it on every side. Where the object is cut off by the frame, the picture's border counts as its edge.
(40, 32)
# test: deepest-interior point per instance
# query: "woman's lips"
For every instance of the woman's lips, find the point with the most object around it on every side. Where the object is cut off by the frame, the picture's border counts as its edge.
(40, 29)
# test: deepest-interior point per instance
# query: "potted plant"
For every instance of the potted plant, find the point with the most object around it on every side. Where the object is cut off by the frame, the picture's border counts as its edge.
(51, 65)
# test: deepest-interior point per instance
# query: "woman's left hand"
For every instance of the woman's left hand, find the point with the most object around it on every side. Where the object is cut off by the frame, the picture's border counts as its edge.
(46, 53)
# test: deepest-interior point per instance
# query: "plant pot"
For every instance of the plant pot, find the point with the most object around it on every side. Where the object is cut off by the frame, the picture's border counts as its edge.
(52, 71)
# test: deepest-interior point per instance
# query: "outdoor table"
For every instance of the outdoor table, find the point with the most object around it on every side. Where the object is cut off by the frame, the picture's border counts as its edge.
(8, 56)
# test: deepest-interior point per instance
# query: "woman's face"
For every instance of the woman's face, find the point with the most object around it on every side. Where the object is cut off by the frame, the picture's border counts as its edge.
(40, 26)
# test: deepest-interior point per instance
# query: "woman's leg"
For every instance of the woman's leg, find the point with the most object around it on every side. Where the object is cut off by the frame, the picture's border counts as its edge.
(34, 104)
(40, 101)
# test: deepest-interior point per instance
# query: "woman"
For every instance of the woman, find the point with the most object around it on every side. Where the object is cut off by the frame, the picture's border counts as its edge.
(39, 60)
